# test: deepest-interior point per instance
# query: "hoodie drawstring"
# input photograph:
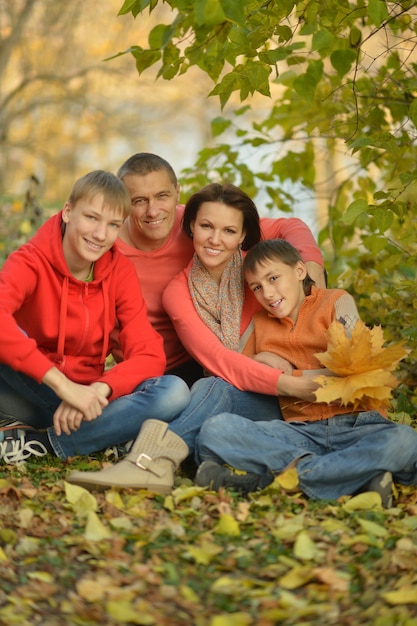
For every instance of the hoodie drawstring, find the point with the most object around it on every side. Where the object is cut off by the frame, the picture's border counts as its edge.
(106, 331)
(62, 319)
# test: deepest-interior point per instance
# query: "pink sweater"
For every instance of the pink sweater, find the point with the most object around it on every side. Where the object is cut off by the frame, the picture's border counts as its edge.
(203, 345)
(156, 269)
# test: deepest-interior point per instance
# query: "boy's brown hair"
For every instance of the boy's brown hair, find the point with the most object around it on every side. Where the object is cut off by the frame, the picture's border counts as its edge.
(275, 250)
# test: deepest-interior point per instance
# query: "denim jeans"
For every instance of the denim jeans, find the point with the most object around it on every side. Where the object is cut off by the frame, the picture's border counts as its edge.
(23, 399)
(210, 396)
(337, 456)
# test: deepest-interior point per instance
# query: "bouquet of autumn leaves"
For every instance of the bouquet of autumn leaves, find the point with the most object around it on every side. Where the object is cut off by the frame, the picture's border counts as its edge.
(362, 367)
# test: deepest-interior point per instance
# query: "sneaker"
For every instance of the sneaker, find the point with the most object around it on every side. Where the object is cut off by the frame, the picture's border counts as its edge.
(213, 475)
(10, 424)
(382, 484)
(15, 449)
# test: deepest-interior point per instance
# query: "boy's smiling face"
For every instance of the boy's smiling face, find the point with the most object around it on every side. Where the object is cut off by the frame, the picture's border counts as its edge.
(91, 228)
(278, 287)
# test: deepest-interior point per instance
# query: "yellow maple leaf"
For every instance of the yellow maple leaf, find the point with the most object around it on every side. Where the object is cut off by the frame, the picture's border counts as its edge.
(363, 367)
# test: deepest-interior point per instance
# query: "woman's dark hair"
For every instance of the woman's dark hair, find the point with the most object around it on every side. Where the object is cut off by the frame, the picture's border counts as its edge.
(275, 250)
(231, 196)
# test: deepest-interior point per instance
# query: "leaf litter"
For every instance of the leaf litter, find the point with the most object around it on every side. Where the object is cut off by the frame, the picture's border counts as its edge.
(70, 557)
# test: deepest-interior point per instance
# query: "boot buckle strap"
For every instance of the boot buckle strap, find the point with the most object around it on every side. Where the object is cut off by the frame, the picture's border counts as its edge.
(146, 462)
(143, 461)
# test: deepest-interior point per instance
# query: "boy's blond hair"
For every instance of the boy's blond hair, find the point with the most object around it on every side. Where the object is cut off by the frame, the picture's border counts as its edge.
(114, 191)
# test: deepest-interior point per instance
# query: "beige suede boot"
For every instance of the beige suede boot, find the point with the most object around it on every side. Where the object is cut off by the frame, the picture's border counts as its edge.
(150, 464)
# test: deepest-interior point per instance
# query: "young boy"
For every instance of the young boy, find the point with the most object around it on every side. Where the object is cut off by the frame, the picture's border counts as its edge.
(60, 296)
(336, 451)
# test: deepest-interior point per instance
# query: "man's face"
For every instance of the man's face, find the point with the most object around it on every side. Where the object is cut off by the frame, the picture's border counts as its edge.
(154, 198)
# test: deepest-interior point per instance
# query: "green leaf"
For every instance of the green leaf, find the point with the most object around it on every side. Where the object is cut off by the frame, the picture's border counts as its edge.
(355, 36)
(219, 125)
(130, 6)
(342, 61)
(273, 56)
(284, 32)
(383, 218)
(137, 6)
(208, 12)
(322, 39)
(377, 11)
(413, 112)
(305, 86)
(224, 89)
(374, 243)
(234, 11)
(145, 58)
(160, 36)
(355, 209)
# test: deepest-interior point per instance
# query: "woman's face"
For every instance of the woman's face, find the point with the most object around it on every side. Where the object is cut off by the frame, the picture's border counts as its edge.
(217, 233)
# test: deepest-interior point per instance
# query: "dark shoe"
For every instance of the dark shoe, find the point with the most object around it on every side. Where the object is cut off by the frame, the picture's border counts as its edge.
(382, 484)
(213, 475)
(14, 448)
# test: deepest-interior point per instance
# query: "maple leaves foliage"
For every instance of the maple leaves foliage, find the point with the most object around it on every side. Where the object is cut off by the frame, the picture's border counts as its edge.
(362, 367)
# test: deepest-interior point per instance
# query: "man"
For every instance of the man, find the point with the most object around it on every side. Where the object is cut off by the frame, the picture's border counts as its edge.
(152, 238)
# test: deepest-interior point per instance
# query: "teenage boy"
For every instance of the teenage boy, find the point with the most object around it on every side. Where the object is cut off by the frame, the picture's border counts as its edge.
(60, 296)
(337, 451)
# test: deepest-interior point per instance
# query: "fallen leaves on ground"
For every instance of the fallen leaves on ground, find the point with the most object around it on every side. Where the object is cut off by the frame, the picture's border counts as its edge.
(199, 558)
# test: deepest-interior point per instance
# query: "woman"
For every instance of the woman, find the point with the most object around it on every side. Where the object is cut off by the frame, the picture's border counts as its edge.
(211, 309)
(208, 302)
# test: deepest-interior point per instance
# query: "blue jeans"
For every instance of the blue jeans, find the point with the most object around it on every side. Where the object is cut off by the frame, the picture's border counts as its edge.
(23, 399)
(336, 457)
(210, 396)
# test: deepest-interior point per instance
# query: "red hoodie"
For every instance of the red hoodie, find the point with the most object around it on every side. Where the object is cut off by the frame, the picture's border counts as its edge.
(67, 322)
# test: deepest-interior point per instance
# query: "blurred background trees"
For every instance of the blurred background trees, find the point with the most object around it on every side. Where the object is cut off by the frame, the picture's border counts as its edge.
(64, 109)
